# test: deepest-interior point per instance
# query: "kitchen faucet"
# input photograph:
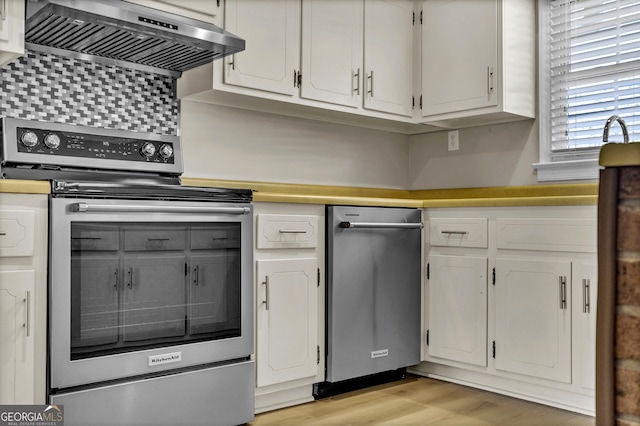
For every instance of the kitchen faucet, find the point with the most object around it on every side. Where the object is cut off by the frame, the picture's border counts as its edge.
(623, 126)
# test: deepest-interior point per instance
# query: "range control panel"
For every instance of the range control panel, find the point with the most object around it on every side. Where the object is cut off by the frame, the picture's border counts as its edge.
(38, 144)
(47, 142)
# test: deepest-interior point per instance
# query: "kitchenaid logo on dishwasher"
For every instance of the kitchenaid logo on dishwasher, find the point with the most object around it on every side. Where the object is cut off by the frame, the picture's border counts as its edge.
(379, 353)
(165, 358)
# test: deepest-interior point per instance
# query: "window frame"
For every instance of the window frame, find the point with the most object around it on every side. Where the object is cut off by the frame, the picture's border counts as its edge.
(581, 164)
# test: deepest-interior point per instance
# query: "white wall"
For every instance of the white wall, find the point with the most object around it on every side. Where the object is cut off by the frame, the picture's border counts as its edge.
(229, 143)
(496, 155)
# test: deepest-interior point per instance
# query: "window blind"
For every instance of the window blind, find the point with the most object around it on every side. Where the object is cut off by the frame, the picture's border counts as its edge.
(595, 71)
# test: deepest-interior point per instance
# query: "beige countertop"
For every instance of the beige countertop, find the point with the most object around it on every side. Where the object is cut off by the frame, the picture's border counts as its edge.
(620, 154)
(25, 186)
(534, 195)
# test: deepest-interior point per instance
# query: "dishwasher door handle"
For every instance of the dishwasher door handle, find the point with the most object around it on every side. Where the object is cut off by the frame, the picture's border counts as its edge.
(414, 225)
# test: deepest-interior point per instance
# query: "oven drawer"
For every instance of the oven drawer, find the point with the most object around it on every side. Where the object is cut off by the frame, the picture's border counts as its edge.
(154, 240)
(221, 395)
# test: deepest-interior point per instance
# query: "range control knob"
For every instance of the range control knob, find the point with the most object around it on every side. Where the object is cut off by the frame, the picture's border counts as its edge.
(166, 151)
(148, 149)
(52, 141)
(29, 139)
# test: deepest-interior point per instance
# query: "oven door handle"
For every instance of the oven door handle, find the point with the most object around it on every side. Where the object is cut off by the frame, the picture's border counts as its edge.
(125, 208)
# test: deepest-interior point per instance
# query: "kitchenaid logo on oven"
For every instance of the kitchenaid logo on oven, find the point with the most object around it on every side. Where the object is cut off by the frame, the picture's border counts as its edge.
(165, 358)
(379, 353)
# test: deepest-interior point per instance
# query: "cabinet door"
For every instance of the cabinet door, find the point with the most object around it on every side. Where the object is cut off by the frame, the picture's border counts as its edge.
(11, 30)
(533, 318)
(332, 51)
(388, 56)
(459, 55)
(287, 296)
(17, 354)
(271, 30)
(458, 308)
(585, 296)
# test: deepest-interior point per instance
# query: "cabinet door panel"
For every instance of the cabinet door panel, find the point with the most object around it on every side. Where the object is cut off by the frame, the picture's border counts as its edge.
(459, 51)
(388, 56)
(272, 34)
(287, 320)
(17, 352)
(332, 51)
(458, 308)
(533, 325)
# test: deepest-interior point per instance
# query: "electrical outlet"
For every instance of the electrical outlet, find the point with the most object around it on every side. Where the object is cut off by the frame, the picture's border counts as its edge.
(453, 140)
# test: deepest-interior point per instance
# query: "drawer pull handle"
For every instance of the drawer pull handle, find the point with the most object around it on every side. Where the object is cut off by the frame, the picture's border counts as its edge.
(2, 234)
(292, 231)
(454, 232)
(157, 239)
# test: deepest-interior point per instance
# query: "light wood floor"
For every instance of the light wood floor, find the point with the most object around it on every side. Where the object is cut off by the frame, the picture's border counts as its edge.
(421, 401)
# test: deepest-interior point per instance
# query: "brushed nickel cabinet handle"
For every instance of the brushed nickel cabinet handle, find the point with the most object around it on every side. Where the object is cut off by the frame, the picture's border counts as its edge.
(292, 231)
(265, 302)
(454, 232)
(563, 292)
(27, 323)
(357, 76)
(370, 78)
(196, 275)
(586, 296)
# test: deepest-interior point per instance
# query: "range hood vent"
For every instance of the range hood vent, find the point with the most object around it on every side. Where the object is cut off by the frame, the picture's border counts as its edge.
(117, 32)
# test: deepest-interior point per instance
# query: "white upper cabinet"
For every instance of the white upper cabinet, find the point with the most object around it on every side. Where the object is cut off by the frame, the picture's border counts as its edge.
(332, 34)
(11, 30)
(271, 29)
(478, 61)
(388, 56)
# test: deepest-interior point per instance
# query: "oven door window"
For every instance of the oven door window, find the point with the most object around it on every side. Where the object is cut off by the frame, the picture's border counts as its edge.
(140, 286)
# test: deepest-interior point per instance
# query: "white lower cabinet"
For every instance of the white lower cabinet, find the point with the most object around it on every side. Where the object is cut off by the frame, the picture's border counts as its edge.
(533, 318)
(511, 299)
(287, 320)
(458, 316)
(17, 353)
(289, 303)
(23, 298)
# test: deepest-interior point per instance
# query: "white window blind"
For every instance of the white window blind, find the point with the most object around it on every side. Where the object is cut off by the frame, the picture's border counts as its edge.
(595, 71)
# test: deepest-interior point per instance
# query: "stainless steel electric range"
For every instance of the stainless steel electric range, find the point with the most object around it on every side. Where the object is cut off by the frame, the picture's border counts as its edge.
(150, 283)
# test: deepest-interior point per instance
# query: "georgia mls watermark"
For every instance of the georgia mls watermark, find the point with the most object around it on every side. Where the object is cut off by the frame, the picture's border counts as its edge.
(31, 415)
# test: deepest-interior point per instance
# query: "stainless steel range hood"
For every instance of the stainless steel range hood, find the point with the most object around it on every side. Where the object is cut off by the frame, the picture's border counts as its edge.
(120, 33)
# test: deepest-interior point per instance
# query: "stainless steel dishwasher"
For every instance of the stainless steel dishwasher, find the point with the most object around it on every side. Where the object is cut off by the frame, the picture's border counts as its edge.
(373, 295)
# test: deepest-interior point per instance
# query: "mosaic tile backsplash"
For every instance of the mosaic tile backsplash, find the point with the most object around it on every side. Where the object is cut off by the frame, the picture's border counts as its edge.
(64, 90)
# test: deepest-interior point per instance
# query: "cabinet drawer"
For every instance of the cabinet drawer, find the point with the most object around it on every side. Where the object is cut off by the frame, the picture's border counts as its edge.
(215, 237)
(458, 232)
(16, 233)
(576, 235)
(94, 239)
(154, 240)
(287, 231)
